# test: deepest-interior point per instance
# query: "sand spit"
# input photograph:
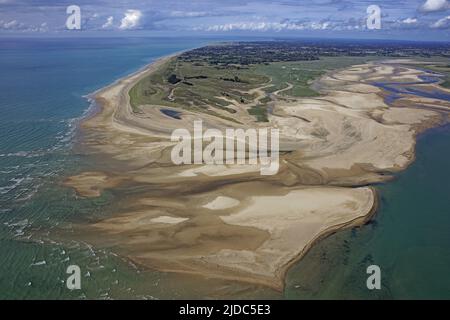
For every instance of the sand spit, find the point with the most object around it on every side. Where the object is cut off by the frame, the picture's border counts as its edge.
(229, 221)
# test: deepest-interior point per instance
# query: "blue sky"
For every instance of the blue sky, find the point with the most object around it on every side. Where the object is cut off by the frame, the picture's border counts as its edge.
(401, 19)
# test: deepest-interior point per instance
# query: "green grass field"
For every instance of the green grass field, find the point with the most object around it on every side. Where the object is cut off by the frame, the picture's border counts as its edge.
(301, 74)
(196, 87)
(200, 87)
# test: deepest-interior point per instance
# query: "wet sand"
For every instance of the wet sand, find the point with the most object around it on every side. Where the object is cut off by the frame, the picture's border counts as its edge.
(228, 221)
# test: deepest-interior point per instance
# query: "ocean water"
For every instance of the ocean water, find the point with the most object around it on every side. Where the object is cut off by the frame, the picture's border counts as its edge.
(43, 83)
(408, 239)
(43, 86)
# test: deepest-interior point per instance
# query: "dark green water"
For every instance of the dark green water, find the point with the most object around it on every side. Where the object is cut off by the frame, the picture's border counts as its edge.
(409, 238)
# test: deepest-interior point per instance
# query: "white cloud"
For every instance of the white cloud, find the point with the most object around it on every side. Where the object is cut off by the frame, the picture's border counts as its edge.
(320, 25)
(410, 21)
(187, 14)
(11, 24)
(131, 19)
(283, 26)
(256, 26)
(442, 23)
(14, 25)
(434, 5)
(108, 23)
(43, 27)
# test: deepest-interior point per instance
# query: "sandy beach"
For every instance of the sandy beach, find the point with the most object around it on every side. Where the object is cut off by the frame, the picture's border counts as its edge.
(228, 221)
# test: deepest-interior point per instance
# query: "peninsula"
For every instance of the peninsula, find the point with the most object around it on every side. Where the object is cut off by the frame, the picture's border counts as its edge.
(342, 129)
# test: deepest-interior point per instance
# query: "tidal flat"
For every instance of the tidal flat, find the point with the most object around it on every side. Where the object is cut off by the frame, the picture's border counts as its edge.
(340, 135)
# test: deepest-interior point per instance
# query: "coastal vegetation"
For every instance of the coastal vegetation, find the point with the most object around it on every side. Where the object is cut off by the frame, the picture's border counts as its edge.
(222, 78)
(197, 87)
(193, 83)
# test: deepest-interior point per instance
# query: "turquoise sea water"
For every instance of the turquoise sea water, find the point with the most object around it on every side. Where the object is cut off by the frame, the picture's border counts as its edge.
(409, 238)
(43, 83)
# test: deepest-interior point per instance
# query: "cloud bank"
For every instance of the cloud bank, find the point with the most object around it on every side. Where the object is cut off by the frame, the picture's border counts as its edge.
(434, 6)
(131, 19)
(175, 17)
(109, 22)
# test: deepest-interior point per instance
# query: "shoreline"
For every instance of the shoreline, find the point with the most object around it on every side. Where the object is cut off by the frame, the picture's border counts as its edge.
(279, 286)
(279, 283)
(141, 72)
(115, 119)
(356, 223)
